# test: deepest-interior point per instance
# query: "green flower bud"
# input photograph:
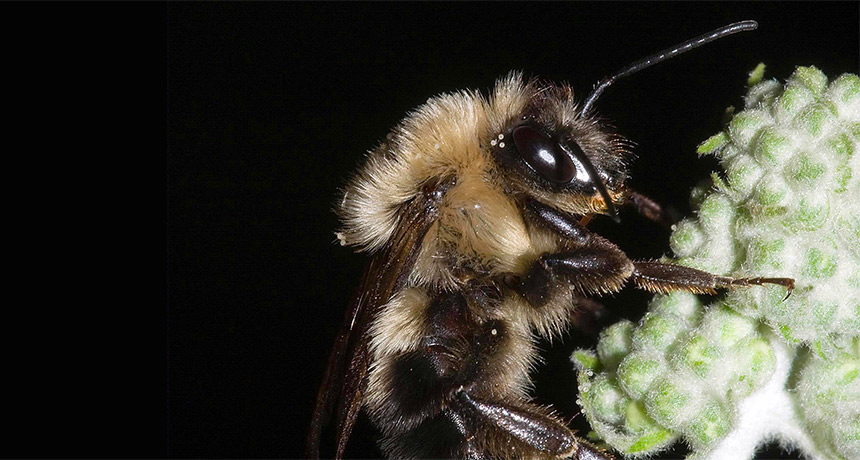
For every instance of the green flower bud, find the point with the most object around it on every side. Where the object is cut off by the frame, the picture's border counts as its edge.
(710, 425)
(637, 372)
(615, 342)
(657, 331)
(607, 401)
(671, 403)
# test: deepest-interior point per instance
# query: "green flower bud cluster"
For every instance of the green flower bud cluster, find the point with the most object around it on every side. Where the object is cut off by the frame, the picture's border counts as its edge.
(787, 206)
(680, 372)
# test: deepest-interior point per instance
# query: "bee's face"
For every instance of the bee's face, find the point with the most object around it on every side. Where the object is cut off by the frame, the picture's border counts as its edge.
(551, 152)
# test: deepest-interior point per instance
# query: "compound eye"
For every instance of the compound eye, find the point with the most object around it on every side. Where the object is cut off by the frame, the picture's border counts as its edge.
(545, 156)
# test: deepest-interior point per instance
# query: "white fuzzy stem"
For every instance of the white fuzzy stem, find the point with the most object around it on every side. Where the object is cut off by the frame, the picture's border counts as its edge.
(768, 414)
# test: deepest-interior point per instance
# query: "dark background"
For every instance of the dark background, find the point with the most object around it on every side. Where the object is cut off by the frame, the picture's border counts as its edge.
(265, 109)
(270, 106)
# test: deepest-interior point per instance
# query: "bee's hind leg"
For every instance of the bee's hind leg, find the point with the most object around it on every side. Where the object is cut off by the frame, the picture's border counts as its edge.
(519, 422)
(530, 426)
(586, 451)
(500, 422)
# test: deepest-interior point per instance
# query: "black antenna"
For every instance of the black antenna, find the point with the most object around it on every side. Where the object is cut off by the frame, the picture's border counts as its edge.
(666, 54)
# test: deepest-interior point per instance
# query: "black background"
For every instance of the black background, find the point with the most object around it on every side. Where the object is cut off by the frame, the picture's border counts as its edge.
(268, 107)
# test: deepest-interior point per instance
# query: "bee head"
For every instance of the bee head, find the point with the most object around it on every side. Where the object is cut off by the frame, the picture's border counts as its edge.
(549, 150)
(561, 151)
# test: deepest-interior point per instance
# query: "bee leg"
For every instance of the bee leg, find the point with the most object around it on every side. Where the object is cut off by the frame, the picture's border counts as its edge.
(651, 210)
(529, 426)
(470, 450)
(559, 222)
(598, 268)
(593, 265)
(521, 423)
(665, 277)
(586, 451)
(588, 316)
(479, 415)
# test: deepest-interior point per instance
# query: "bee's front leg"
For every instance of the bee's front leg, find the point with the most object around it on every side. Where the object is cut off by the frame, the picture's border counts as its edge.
(651, 210)
(665, 277)
(591, 265)
(589, 270)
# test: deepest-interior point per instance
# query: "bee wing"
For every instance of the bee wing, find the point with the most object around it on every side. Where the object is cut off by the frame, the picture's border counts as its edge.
(385, 275)
(335, 370)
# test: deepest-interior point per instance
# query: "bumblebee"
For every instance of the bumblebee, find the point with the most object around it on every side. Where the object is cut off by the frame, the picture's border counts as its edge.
(474, 210)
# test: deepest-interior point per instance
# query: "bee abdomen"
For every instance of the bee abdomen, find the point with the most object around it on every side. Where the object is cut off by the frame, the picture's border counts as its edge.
(414, 394)
(454, 353)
